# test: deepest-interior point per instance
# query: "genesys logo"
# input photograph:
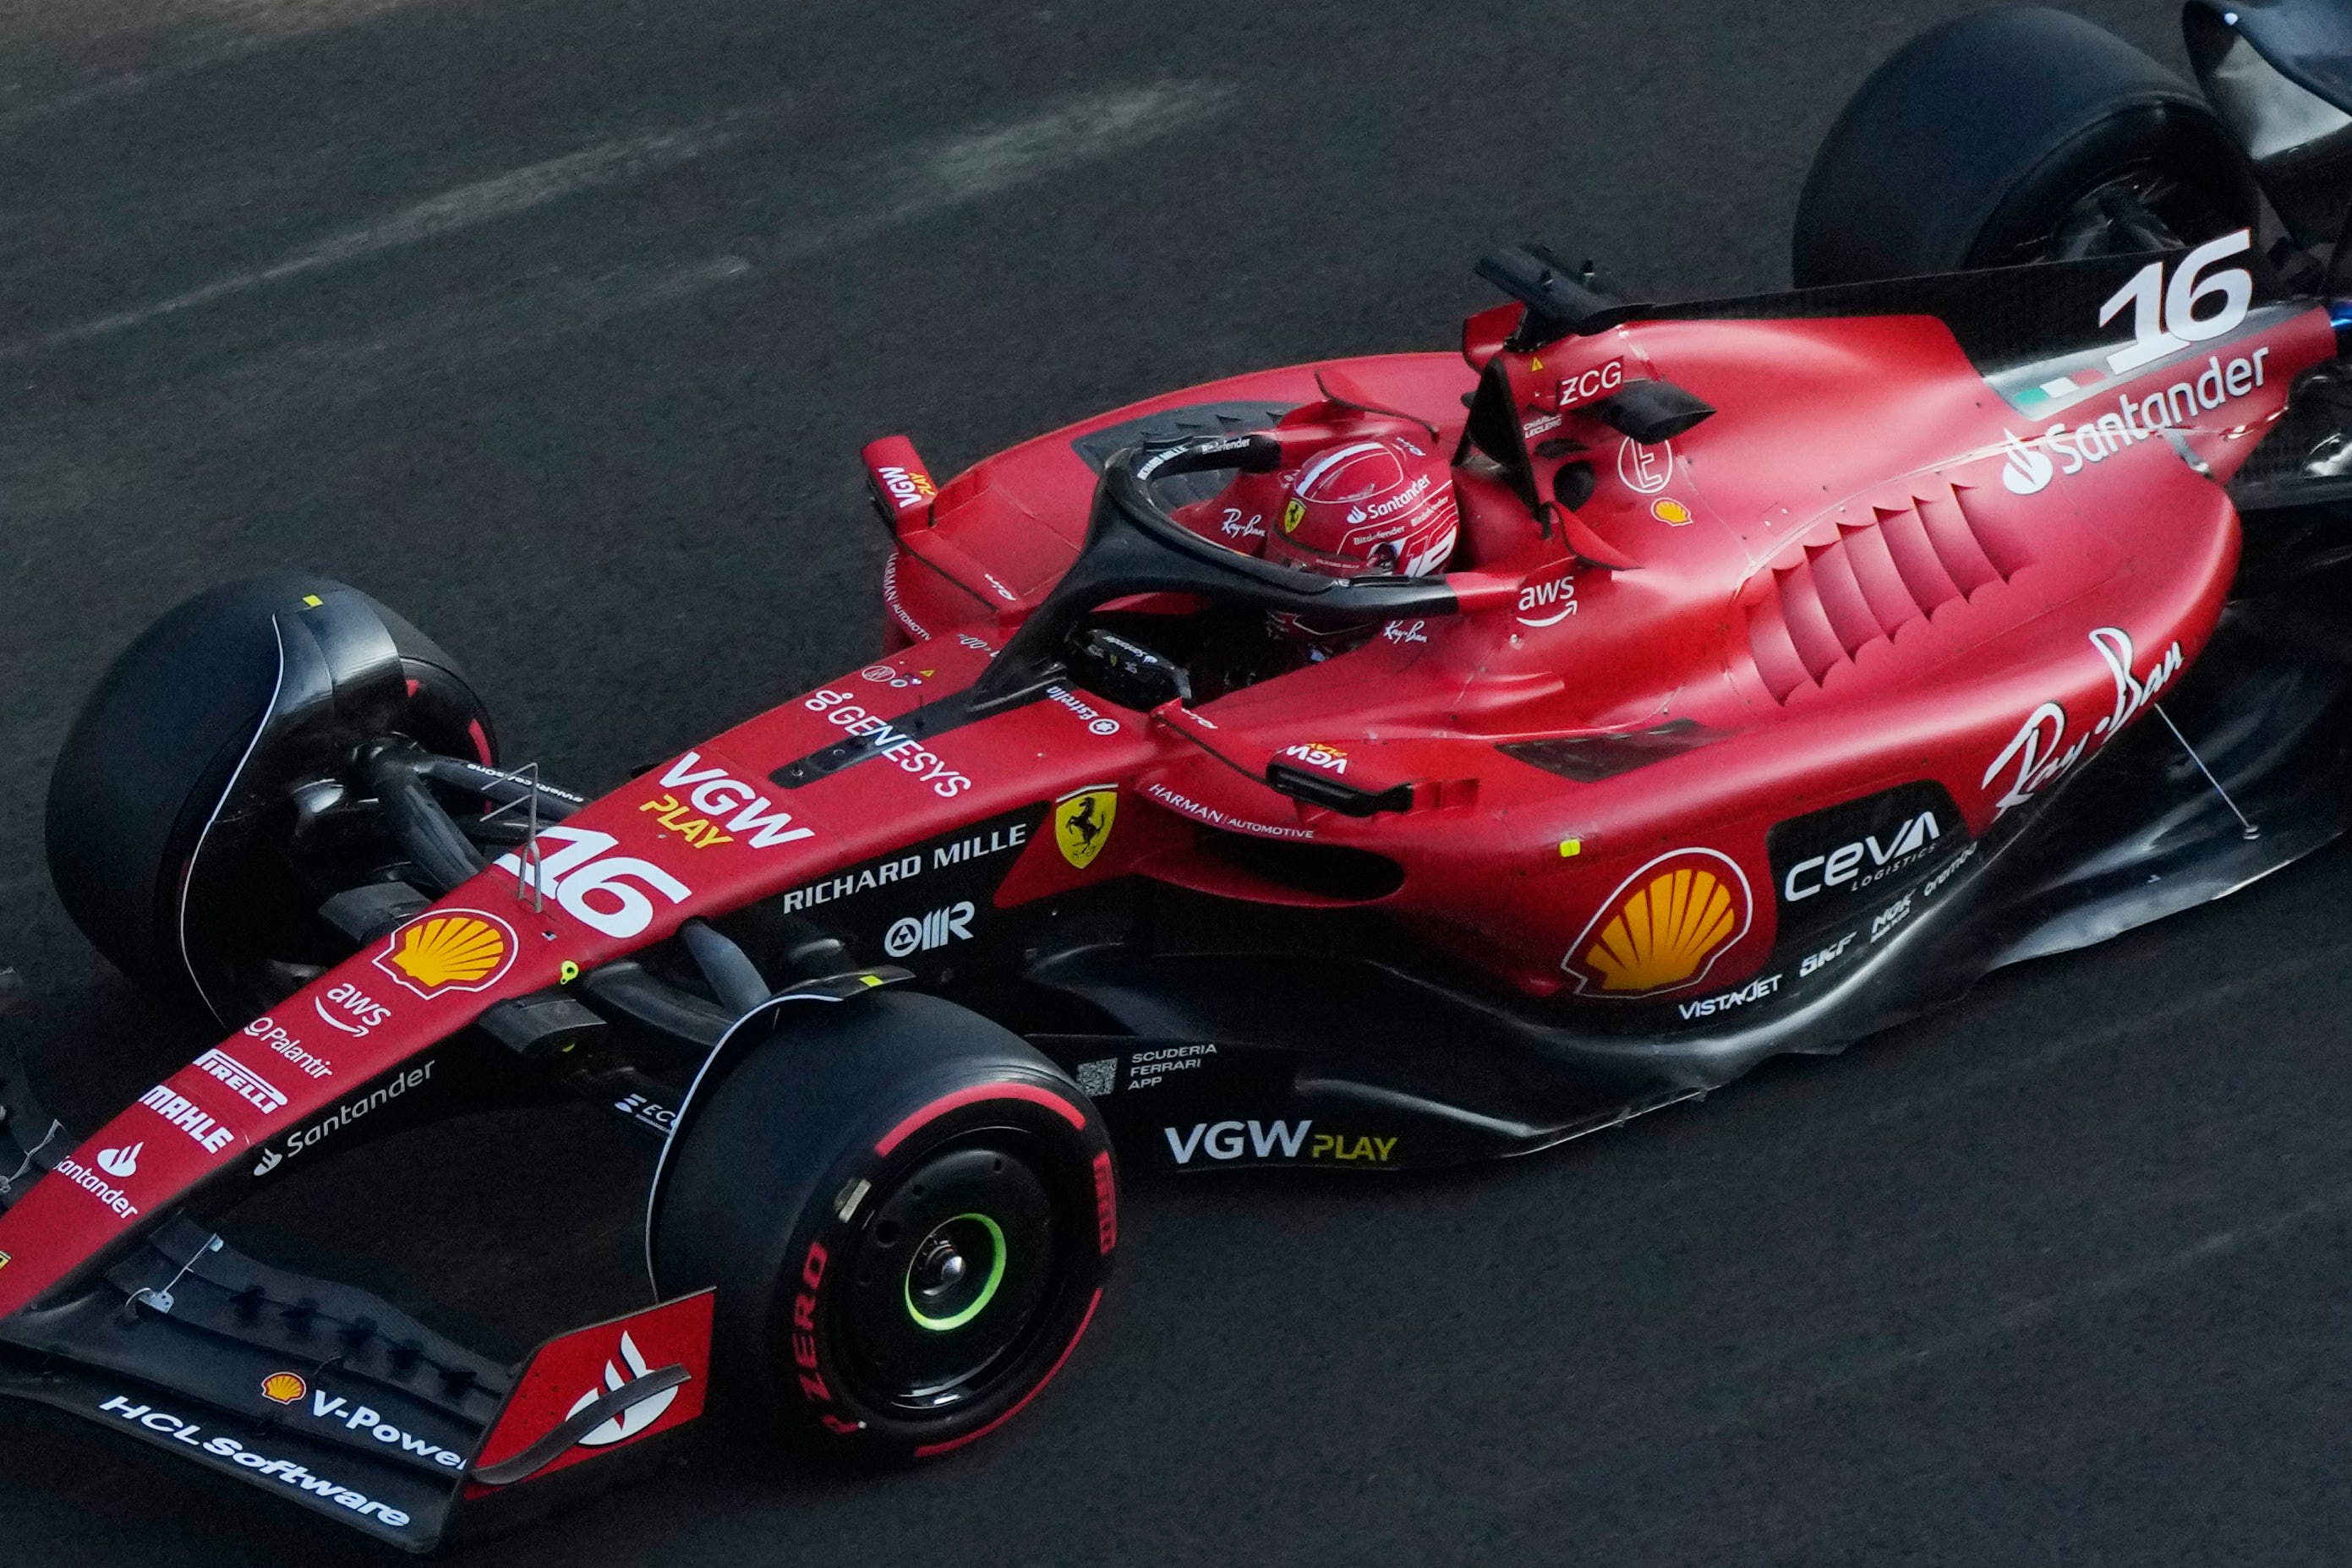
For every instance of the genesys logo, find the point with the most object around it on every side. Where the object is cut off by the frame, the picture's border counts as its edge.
(707, 806)
(2038, 754)
(888, 741)
(1226, 1140)
(252, 1459)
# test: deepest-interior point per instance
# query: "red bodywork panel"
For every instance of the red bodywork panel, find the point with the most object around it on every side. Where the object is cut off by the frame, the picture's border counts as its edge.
(1856, 575)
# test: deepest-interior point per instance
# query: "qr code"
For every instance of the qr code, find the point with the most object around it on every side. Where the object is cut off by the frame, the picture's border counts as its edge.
(1097, 1078)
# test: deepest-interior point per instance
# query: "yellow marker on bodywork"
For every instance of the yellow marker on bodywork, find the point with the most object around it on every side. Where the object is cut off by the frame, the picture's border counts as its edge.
(1571, 847)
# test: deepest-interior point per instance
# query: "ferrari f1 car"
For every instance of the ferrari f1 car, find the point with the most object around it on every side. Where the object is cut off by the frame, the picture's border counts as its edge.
(1798, 659)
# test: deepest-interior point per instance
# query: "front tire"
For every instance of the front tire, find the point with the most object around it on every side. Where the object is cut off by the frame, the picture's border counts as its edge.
(2015, 135)
(909, 1215)
(157, 746)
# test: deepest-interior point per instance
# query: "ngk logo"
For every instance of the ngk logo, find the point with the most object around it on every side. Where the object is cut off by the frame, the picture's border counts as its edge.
(920, 933)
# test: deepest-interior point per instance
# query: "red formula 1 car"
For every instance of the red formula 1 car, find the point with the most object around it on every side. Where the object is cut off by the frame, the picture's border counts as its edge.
(1782, 665)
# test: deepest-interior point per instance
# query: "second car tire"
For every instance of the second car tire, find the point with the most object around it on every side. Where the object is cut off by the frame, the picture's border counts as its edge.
(909, 1214)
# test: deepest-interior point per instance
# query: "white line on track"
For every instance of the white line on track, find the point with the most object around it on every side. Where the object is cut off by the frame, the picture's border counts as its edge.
(910, 183)
(467, 206)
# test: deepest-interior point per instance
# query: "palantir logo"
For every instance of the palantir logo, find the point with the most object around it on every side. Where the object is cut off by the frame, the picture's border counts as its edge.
(636, 1417)
(2027, 471)
(121, 1162)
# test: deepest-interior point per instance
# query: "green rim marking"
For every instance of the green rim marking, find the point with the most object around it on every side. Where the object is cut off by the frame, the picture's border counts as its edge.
(987, 1291)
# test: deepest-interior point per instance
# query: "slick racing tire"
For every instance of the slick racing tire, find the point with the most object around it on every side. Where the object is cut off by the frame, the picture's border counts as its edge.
(909, 1215)
(2008, 136)
(156, 747)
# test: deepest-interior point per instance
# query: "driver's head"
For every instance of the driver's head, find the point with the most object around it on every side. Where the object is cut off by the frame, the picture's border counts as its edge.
(1372, 506)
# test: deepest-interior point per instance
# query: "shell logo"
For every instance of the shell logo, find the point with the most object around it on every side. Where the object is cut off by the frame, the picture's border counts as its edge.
(448, 950)
(1664, 927)
(283, 1388)
(1671, 512)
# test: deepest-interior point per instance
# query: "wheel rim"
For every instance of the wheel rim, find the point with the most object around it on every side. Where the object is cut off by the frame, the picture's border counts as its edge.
(955, 1273)
(2125, 212)
(952, 1278)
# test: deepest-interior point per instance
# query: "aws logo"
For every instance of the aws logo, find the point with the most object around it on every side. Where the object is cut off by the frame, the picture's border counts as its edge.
(1548, 597)
(1664, 927)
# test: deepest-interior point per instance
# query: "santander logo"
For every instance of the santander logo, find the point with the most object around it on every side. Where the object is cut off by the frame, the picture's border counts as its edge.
(121, 1162)
(636, 1417)
(2027, 471)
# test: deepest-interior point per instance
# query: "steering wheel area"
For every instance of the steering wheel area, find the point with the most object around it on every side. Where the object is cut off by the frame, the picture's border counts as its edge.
(1133, 546)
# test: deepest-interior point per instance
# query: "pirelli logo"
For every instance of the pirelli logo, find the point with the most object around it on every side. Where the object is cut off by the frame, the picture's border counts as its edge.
(250, 1086)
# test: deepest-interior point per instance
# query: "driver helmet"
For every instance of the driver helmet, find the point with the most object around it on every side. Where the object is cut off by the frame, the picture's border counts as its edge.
(1376, 506)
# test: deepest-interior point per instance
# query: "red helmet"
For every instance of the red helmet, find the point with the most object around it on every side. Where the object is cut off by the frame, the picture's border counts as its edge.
(1375, 505)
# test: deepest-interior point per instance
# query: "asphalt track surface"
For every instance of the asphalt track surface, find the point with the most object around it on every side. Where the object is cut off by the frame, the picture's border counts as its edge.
(557, 324)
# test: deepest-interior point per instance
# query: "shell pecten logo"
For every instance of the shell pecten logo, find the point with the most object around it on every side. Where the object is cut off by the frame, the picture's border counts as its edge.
(283, 1388)
(448, 950)
(1664, 926)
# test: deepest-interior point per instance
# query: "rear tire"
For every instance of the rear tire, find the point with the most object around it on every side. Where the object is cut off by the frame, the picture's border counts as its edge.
(157, 745)
(2012, 136)
(909, 1215)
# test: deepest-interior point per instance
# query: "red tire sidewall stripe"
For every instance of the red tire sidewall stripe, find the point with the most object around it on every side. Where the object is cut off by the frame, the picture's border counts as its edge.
(928, 1450)
(973, 1095)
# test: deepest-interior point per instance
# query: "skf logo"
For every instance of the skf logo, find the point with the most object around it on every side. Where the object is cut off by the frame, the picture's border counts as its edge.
(284, 1388)
(452, 950)
(1663, 926)
(920, 933)
(1082, 823)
